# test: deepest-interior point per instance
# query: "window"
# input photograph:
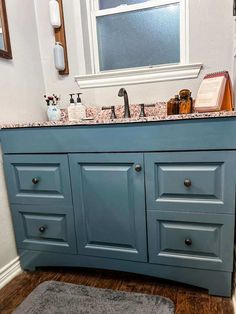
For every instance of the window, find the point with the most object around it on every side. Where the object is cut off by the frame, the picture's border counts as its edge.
(137, 41)
(137, 33)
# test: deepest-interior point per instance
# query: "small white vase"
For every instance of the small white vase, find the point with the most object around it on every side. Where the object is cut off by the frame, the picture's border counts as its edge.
(54, 113)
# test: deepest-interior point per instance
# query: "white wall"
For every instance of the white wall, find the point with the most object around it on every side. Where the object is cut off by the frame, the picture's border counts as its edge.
(21, 97)
(211, 33)
(21, 79)
(61, 85)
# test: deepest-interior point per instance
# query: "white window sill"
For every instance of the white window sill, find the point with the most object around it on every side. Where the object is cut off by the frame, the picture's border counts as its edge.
(139, 76)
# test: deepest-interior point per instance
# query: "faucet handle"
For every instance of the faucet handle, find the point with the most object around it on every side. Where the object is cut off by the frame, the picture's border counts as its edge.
(113, 113)
(142, 112)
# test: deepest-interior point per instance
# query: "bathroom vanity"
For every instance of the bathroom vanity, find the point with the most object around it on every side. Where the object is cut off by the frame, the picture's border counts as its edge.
(155, 198)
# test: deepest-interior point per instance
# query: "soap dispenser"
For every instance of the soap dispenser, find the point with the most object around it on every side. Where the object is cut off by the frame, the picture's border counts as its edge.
(71, 109)
(80, 109)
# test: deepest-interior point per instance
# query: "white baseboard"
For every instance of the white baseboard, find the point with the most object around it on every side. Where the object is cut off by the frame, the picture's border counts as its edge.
(8, 272)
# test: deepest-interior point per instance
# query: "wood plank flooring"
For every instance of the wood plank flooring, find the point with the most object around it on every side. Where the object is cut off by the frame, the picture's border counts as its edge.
(188, 300)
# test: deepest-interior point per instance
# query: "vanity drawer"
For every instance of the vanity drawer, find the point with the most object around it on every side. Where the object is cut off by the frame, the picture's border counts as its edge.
(38, 179)
(44, 229)
(198, 181)
(191, 240)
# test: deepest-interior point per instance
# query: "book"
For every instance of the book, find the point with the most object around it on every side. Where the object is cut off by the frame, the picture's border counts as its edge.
(215, 93)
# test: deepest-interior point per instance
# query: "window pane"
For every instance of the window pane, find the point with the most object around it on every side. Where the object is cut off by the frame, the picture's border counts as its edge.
(107, 4)
(139, 38)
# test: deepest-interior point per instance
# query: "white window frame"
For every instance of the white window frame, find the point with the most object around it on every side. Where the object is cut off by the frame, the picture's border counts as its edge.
(144, 74)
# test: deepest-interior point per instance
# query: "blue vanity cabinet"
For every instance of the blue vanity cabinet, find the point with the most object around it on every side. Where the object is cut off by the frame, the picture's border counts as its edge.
(109, 203)
(151, 198)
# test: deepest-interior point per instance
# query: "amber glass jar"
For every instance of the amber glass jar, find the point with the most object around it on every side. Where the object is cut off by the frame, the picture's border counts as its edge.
(173, 105)
(177, 102)
(170, 106)
(186, 103)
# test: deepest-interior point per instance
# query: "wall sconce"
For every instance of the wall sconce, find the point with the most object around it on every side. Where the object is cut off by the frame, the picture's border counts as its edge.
(59, 57)
(54, 12)
(60, 48)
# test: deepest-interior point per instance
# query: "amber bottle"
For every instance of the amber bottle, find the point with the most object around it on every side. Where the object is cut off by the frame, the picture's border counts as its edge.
(186, 103)
(170, 106)
(173, 105)
(176, 106)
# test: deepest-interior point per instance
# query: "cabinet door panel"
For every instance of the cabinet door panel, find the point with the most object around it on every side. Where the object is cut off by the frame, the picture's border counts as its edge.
(109, 205)
(44, 228)
(38, 179)
(191, 240)
(193, 181)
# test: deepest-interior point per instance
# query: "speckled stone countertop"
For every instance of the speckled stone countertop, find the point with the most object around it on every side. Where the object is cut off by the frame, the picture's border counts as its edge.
(97, 116)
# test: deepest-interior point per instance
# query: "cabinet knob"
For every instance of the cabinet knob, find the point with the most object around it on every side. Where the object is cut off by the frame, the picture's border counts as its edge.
(188, 241)
(187, 183)
(138, 168)
(35, 180)
(42, 229)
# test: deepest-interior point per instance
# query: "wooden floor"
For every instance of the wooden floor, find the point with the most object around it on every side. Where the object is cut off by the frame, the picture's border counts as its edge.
(188, 300)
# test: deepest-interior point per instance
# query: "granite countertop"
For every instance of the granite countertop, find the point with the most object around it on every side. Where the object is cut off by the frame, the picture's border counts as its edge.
(97, 116)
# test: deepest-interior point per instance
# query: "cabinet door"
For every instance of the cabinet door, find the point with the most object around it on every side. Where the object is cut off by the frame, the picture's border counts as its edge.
(109, 200)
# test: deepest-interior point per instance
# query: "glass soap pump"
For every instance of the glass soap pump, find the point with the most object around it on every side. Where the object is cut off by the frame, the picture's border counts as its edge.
(80, 109)
(71, 109)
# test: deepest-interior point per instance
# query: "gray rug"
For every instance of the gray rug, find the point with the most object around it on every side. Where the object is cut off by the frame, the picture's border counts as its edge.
(52, 297)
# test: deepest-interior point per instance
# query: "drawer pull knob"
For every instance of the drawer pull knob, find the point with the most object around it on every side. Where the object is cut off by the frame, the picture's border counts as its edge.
(187, 183)
(138, 168)
(188, 242)
(42, 229)
(35, 180)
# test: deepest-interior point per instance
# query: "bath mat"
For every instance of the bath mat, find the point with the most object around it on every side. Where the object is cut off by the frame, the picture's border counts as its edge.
(53, 297)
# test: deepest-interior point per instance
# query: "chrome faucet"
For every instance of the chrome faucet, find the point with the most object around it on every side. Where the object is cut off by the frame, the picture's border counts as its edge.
(123, 93)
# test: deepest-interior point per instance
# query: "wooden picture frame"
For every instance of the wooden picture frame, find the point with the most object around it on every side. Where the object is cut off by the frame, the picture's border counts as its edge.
(6, 53)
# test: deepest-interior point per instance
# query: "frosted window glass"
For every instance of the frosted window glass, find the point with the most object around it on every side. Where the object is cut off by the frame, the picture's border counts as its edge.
(107, 4)
(139, 38)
